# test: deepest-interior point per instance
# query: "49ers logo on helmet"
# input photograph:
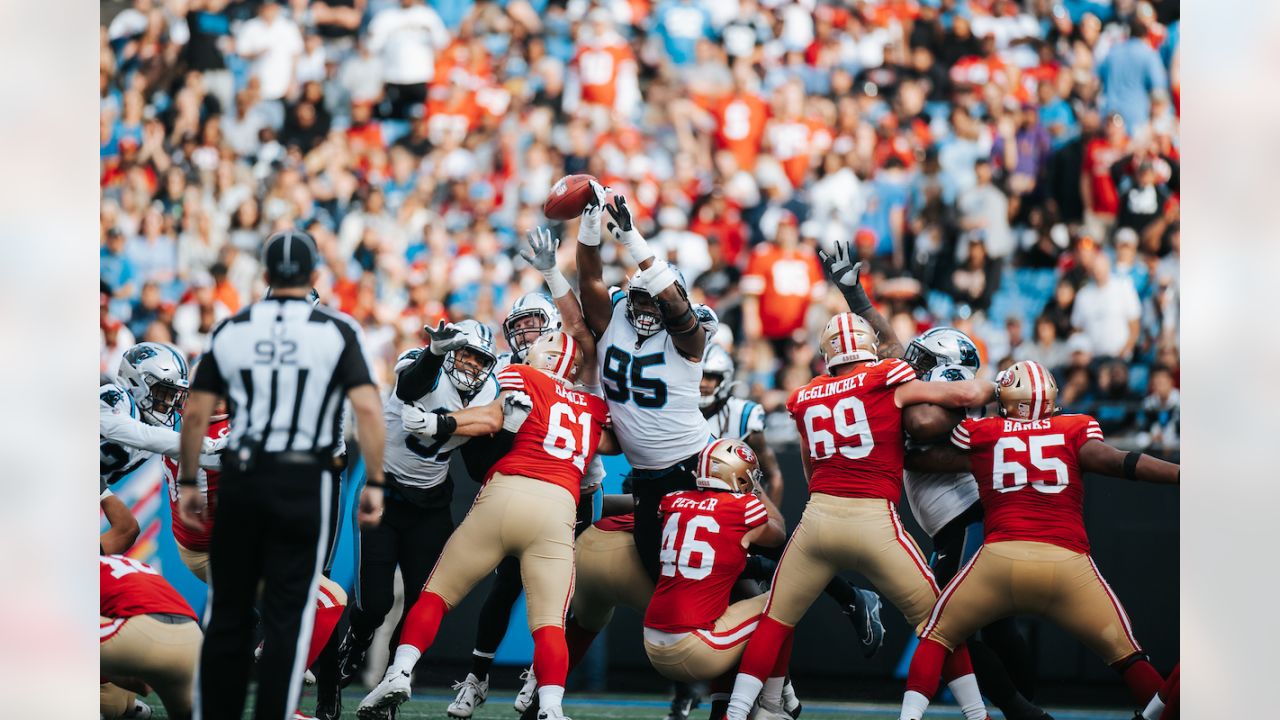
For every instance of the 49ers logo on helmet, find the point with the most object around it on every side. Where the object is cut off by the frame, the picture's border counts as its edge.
(745, 453)
(1006, 379)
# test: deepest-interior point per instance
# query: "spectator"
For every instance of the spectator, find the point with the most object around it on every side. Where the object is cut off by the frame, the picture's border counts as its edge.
(194, 319)
(984, 208)
(1128, 264)
(1107, 311)
(153, 253)
(1129, 74)
(117, 271)
(1160, 409)
(679, 24)
(1143, 202)
(406, 39)
(978, 277)
(781, 279)
(274, 44)
(1101, 200)
(1046, 348)
(1115, 405)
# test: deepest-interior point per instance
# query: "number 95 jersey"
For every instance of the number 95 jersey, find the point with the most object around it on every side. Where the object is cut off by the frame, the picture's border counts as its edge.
(1029, 477)
(561, 434)
(851, 427)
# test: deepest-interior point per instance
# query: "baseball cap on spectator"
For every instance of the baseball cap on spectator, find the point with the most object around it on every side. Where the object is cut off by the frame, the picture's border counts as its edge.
(1126, 236)
(201, 279)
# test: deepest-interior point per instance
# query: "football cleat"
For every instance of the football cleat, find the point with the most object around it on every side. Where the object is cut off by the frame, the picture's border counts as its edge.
(684, 702)
(865, 616)
(308, 678)
(392, 692)
(299, 715)
(351, 652)
(765, 711)
(328, 702)
(140, 710)
(528, 691)
(472, 693)
(551, 714)
(790, 703)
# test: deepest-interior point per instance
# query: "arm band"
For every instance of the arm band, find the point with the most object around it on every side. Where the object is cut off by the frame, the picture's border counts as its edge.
(187, 482)
(447, 426)
(375, 483)
(1131, 464)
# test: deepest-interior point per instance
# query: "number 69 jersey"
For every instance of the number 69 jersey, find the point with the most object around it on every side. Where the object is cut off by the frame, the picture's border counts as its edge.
(1029, 477)
(561, 434)
(423, 462)
(851, 427)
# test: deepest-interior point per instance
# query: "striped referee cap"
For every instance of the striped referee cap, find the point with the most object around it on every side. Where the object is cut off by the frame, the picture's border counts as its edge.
(289, 258)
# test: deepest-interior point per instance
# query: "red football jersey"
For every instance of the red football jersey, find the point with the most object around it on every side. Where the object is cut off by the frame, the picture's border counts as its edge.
(708, 526)
(1029, 477)
(617, 523)
(561, 434)
(129, 587)
(852, 429)
(194, 539)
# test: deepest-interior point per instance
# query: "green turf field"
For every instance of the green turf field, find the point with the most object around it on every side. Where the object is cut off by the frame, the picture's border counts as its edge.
(653, 707)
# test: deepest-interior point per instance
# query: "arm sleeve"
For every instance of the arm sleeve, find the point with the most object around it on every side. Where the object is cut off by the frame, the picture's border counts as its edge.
(417, 372)
(352, 370)
(119, 428)
(208, 377)
(754, 419)
(897, 372)
(962, 435)
(754, 513)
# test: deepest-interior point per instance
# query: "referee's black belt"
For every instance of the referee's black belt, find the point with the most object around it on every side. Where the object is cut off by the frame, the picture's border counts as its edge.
(292, 457)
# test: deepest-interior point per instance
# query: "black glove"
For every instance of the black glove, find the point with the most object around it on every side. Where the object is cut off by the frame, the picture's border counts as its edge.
(844, 274)
(621, 222)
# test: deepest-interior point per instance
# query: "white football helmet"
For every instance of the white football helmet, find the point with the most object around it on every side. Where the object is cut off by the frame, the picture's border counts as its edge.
(717, 363)
(157, 376)
(642, 310)
(953, 373)
(468, 376)
(941, 346)
(530, 305)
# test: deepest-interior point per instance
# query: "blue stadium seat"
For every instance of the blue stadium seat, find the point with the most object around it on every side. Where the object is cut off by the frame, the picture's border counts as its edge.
(1139, 374)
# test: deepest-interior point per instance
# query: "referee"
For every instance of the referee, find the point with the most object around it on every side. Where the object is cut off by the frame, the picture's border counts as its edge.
(284, 366)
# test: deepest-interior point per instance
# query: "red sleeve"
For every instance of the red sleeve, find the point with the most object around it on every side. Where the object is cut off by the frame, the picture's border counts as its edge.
(752, 282)
(664, 505)
(962, 435)
(754, 513)
(1086, 429)
(897, 372)
(511, 378)
(791, 400)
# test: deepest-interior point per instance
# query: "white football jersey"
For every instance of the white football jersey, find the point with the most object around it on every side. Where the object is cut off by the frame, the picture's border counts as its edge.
(938, 498)
(736, 420)
(652, 391)
(418, 462)
(125, 442)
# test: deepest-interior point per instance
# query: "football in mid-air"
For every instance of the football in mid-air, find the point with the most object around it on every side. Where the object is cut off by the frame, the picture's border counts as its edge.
(569, 197)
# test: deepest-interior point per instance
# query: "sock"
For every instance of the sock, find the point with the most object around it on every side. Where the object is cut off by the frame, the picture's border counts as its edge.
(745, 689)
(783, 661)
(913, 705)
(579, 641)
(1143, 679)
(328, 613)
(772, 692)
(1154, 709)
(763, 649)
(957, 664)
(550, 696)
(480, 664)
(1171, 694)
(965, 688)
(926, 668)
(842, 592)
(423, 622)
(550, 658)
(406, 657)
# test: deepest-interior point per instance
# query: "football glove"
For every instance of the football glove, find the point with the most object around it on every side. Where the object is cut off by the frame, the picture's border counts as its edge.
(516, 406)
(623, 230)
(541, 253)
(589, 226)
(211, 446)
(845, 273)
(445, 337)
(417, 420)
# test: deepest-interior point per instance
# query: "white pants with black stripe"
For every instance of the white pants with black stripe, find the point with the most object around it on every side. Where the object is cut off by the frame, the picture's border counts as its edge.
(272, 528)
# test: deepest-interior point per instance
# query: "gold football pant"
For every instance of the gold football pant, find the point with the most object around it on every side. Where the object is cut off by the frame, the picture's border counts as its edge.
(609, 574)
(197, 561)
(860, 534)
(703, 655)
(162, 654)
(520, 517)
(114, 701)
(1032, 578)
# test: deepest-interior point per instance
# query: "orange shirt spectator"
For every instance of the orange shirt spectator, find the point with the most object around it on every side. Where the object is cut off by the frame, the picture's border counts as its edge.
(782, 278)
(598, 69)
(740, 123)
(451, 111)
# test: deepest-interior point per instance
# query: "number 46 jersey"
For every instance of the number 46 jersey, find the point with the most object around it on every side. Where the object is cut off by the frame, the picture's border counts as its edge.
(561, 434)
(851, 427)
(1029, 477)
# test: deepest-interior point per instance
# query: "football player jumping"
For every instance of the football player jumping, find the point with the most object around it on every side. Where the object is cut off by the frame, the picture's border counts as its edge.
(1029, 464)
(850, 424)
(526, 509)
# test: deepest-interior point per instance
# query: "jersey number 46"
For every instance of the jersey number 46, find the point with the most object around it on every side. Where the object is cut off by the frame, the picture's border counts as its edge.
(677, 552)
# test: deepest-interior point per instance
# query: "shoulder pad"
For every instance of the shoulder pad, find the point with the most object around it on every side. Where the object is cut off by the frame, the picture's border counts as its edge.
(118, 399)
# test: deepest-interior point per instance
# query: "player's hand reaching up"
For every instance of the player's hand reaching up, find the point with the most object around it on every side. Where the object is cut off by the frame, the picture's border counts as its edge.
(845, 273)
(541, 253)
(445, 337)
(621, 222)
(516, 406)
(589, 225)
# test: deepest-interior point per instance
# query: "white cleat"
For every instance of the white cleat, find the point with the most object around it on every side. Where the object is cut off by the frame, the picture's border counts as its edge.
(766, 711)
(791, 703)
(472, 693)
(308, 678)
(528, 691)
(392, 692)
(139, 711)
(551, 714)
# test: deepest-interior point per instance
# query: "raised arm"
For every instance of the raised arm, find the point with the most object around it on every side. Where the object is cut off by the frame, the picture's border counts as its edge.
(419, 376)
(541, 254)
(1099, 457)
(845, 274)
(659, 279)
(595, 295)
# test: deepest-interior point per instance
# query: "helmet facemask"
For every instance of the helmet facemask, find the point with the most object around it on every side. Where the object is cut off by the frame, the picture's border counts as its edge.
(643, 312)
(164, 401)
(920, 359)
(469, 367)
(523, 328)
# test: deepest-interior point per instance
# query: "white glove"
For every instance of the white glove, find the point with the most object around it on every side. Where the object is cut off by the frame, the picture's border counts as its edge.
(210, 446)
(541, 254)
(589, 226)
(417, 420)
(516, 406)
(444, 338)
(658, 277)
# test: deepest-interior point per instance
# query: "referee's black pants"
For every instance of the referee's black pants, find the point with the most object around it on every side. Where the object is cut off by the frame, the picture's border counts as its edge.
(648, 488)
(272, 529)
(415, 526)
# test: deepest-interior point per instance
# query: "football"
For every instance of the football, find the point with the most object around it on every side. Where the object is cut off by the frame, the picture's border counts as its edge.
(569, 197)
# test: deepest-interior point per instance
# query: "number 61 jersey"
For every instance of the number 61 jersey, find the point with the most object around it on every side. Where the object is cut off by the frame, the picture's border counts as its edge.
(851, 427)
(559, 437)
(1029, 477)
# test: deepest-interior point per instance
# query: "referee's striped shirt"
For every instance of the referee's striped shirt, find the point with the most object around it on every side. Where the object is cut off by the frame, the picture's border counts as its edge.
(285, 368)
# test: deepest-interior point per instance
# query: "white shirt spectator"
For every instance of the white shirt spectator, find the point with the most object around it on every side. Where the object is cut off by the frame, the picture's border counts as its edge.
(361, 77)
(406, 39)
(986, 205)
(275, 47)
(1104, 313)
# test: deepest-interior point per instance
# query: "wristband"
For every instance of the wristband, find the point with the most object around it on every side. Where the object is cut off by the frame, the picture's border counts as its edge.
(446, 426)
(375, 484)
(1131, 464)
(187, 482)
(857, 300)
(589, 228)
(636, 246)
(556, 283)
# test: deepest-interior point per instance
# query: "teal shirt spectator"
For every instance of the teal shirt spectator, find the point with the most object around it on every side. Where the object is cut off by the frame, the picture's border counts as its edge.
(1058, 112)
(886, 194)
(1129, 73)
(680, 24)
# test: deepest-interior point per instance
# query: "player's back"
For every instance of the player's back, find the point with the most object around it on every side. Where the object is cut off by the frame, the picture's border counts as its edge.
(1029, 477)
(702, 556)
(851, 427)
(129, 587)
(561, 433)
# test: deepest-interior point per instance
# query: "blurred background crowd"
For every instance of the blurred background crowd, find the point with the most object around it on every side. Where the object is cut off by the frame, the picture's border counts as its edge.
(1009, 167)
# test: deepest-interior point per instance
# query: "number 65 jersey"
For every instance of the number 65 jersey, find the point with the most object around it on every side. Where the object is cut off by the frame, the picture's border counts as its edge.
(1029, 477)
(851, 427)
(559, 437)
